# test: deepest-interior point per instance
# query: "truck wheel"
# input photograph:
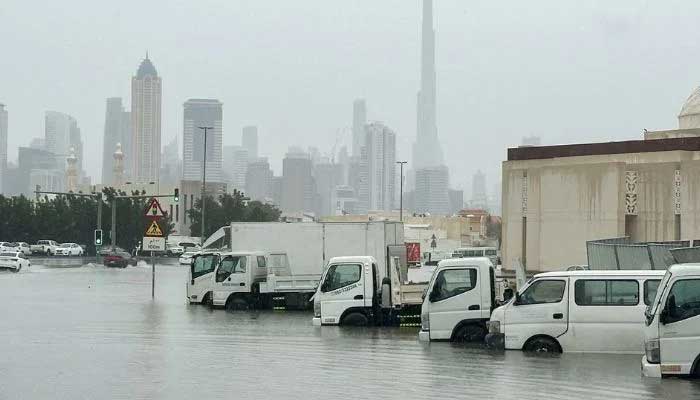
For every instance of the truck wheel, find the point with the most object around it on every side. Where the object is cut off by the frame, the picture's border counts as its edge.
(542, 345)
(236, 303)
(470, 333)
(355, 319)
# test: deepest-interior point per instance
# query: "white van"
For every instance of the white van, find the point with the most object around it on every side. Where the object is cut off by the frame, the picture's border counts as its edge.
(577, 311)
(672, 329)
(459, 300)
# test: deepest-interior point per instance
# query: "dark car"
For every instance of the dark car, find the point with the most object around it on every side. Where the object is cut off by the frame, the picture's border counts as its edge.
(119, 258)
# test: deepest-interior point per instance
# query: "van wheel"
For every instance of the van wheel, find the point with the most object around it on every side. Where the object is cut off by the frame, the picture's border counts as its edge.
(542, 345)
(236, 303)
(355, 319)
(470, 333)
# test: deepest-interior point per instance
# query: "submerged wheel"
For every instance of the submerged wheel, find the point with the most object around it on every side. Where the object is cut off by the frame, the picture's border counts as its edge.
(542, 345)
(355, 319)
(237, 303)
(470, 333)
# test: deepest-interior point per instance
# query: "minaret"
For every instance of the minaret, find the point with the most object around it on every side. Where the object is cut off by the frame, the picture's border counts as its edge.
(118, 167)
(72, 172)
(426, 150)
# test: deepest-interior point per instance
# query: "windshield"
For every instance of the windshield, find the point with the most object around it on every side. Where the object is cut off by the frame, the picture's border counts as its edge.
(203, 264)
(659, 292)
(8, 254)
(65, 244)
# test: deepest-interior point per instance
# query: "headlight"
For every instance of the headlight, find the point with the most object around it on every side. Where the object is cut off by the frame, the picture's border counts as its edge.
(653, 351)
(317, 309)
(494, 326)
(425, 321)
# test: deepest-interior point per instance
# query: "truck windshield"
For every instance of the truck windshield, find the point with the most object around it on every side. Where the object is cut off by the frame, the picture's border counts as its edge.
(659, 293)
(231, 265)
(203, 264)
(341, 275)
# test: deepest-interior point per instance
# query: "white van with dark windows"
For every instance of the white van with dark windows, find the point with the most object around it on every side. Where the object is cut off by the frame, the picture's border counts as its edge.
(577, 311)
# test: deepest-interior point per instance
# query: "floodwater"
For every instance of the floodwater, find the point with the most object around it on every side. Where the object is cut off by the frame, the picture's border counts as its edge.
(89, 332)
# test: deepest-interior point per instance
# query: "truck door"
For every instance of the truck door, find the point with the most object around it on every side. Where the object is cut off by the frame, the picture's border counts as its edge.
(200, 281)
(679, 335)
(343, 288)
(231, 277)
(541, 309)
(454, 297)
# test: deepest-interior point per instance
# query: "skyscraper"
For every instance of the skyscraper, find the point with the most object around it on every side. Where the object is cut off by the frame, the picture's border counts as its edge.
(117, 123)
(298, 186)
(145, 123)
(249, 140)
(426, 150)
(3, 144)
(377, 169)
(258, 180)
(202, 113)
(359, 119)
(431, 194)
(171, 164)
(479, 196)
(236, 167)
(57, 133)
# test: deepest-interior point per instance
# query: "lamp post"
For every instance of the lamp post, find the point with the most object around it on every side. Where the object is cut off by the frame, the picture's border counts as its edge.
(204, 176)
(401, 163)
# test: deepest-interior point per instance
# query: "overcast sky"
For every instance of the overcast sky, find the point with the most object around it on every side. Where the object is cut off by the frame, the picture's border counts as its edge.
(565, 70)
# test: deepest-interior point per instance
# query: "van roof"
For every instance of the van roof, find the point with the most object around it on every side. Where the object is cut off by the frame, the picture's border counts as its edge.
(685, 269)
(350, 259)
(243, 253)
(646, 272)
(457, 262)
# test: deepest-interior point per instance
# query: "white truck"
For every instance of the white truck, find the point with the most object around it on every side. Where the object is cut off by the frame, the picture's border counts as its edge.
(45, 247)
(307, 248)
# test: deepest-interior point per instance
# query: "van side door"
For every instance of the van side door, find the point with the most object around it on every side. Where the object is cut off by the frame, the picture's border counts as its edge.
(541, 309)
(679, 330)
(454, 297)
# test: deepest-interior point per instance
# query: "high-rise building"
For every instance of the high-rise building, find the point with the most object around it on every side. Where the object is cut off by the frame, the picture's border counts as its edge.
(235, 167)
(75, 148)
(57, 133)
(146, 93)
(431, 193)
(117, 123)
(426, 150)
(377, 169)
(298, 186)
(258, 180)
(171, 164)
(479, 196)
(359, 119)
(249, 140)
(327, 176)
(202, 113)
(344, 200)
(3, 144)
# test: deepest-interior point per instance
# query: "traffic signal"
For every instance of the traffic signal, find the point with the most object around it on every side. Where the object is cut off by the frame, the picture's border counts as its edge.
(176, 195)
(98, 237)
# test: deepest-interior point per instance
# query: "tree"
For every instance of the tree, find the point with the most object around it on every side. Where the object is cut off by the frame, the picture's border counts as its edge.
(229, 208)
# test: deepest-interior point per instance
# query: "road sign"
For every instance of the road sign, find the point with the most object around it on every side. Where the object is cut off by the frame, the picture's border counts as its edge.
(153, 210)
(154, 230)
(153, 243)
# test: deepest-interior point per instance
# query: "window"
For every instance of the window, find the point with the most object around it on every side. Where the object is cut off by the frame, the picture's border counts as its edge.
(203, 265)
(543, 291)
(684, 300)
(650, 288)
(261, 262)
(490, 252)
(230, 265)
(341, 275)
(607, 292)
(452, 282)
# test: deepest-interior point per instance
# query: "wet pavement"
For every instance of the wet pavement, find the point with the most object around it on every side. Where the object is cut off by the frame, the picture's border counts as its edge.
(89, 332)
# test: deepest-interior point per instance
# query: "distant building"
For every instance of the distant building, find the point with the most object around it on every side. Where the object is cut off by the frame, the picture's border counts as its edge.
(456, 198)
(377, 169)
(38, 143)
(249, 140)
(276, 189)
(258, 180)
(35, 167)
(171, 164)
(431, 193)
(202, 113)
(146, 93)
(344, 200)
(298, 187)
(531, 141)
(3, 144)
(57, 131)
(117, 130)
(327, 177)
(235, 167)
(359, 120)
(479, 196)
(72, 180)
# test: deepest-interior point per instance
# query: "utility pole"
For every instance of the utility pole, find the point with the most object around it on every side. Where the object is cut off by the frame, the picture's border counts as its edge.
(401, 163)
(204, 177)
(113, 235)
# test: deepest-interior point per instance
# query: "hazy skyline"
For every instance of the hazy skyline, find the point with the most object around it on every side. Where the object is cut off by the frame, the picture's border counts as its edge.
(563, 70)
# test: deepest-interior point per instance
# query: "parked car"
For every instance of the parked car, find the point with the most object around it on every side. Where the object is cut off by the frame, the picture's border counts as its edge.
(45, 247)
(8, 246)
(69, 249)
(119, 258)
(181, 248)
(13, 260)
(186, 258)
(24, 248)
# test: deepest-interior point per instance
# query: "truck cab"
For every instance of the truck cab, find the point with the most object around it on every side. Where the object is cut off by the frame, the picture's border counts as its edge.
(200, 274)
(237, 277)
(348, 293)
(459, 300)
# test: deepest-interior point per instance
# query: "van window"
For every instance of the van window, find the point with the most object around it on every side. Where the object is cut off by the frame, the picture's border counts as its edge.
(341, 275)
(490, 252)
(611, 292)
(687, 298)
(452, 282)
(231, 265)
(650, 288)
(203, 265)
(261, 262)
(543, 291)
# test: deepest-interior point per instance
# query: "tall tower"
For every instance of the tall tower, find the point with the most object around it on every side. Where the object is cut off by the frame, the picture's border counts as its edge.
(426, 150)
(145, 123)
(377, 169)
(72, 171)
(249, 140)
(116, 131)
(3, 144)
(359, 119)
(118, 167)
(200, 113)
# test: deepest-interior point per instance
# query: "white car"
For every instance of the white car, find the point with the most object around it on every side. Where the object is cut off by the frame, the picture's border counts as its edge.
(8, 247)
(13, 260)
(69, 249)
(186, 258)
(24, 248)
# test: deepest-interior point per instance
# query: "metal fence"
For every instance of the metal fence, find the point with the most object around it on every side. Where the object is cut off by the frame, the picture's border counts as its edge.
(621, 254)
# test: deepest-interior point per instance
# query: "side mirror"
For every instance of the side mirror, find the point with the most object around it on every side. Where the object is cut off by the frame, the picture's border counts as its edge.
(425, 293)
(663, 316)
(518, 299)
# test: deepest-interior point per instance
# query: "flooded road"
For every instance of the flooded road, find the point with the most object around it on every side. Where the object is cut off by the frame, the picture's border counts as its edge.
(94, 333)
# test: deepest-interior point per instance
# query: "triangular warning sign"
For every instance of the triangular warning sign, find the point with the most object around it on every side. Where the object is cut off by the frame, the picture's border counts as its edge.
(153, 210)
(154, 230)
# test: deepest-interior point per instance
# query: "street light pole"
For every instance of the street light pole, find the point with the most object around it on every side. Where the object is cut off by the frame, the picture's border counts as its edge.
(204, 177)
(401, 163)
